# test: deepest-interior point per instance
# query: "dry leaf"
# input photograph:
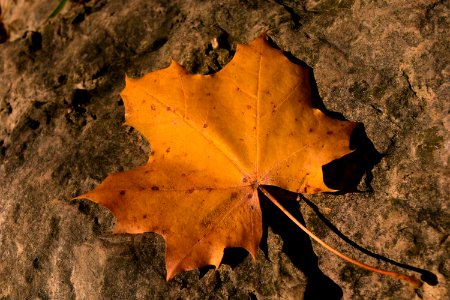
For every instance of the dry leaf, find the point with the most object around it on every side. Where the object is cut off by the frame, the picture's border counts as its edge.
(216, 138)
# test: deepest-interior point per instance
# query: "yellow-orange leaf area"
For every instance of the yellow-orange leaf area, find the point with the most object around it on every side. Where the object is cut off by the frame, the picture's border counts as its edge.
(216, 138)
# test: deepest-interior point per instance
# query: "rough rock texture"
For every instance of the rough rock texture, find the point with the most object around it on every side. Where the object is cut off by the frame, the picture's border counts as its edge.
(383, 63)
(20, 16)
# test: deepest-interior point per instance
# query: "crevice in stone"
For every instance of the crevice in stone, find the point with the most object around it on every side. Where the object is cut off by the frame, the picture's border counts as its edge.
(296, 24)
(410, 87)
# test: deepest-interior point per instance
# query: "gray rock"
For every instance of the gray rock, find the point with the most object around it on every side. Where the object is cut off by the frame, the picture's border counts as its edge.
(385, 65)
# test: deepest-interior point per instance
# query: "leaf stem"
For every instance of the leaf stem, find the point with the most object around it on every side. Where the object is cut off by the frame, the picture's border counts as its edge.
(413, 281)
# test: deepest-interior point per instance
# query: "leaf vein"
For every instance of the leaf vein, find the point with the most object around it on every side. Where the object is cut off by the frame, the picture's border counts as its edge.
(283, 160)
(286, 99)
(211, 228)
(200, 132)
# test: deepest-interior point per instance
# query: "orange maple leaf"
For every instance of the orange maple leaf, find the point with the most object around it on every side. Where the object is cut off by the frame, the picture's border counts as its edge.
(216, 139)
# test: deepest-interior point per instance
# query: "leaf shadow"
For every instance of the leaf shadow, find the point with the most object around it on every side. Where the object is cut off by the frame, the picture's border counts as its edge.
(346, 173)
(296, 244)
(426, 276)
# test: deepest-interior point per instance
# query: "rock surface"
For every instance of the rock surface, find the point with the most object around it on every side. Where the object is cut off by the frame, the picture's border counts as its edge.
(385, 65)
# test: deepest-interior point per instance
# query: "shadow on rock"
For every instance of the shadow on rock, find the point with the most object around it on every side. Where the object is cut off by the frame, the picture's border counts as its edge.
(344, 174)
(296, 244)
(426, 276)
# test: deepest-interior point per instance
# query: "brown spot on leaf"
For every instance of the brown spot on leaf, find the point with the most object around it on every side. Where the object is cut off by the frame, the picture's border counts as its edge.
(249, 107)
(144, 217)
(122, 193)
(190, 191)
(168, 150)
(155, 188)
(329, 132)
(153, 107)
(205, 125)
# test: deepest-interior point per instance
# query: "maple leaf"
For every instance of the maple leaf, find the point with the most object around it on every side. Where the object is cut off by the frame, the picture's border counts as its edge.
(216, 139)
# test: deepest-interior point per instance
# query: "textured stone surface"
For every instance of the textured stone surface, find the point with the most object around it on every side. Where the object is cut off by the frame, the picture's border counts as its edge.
(383, 64)
(20, 16)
